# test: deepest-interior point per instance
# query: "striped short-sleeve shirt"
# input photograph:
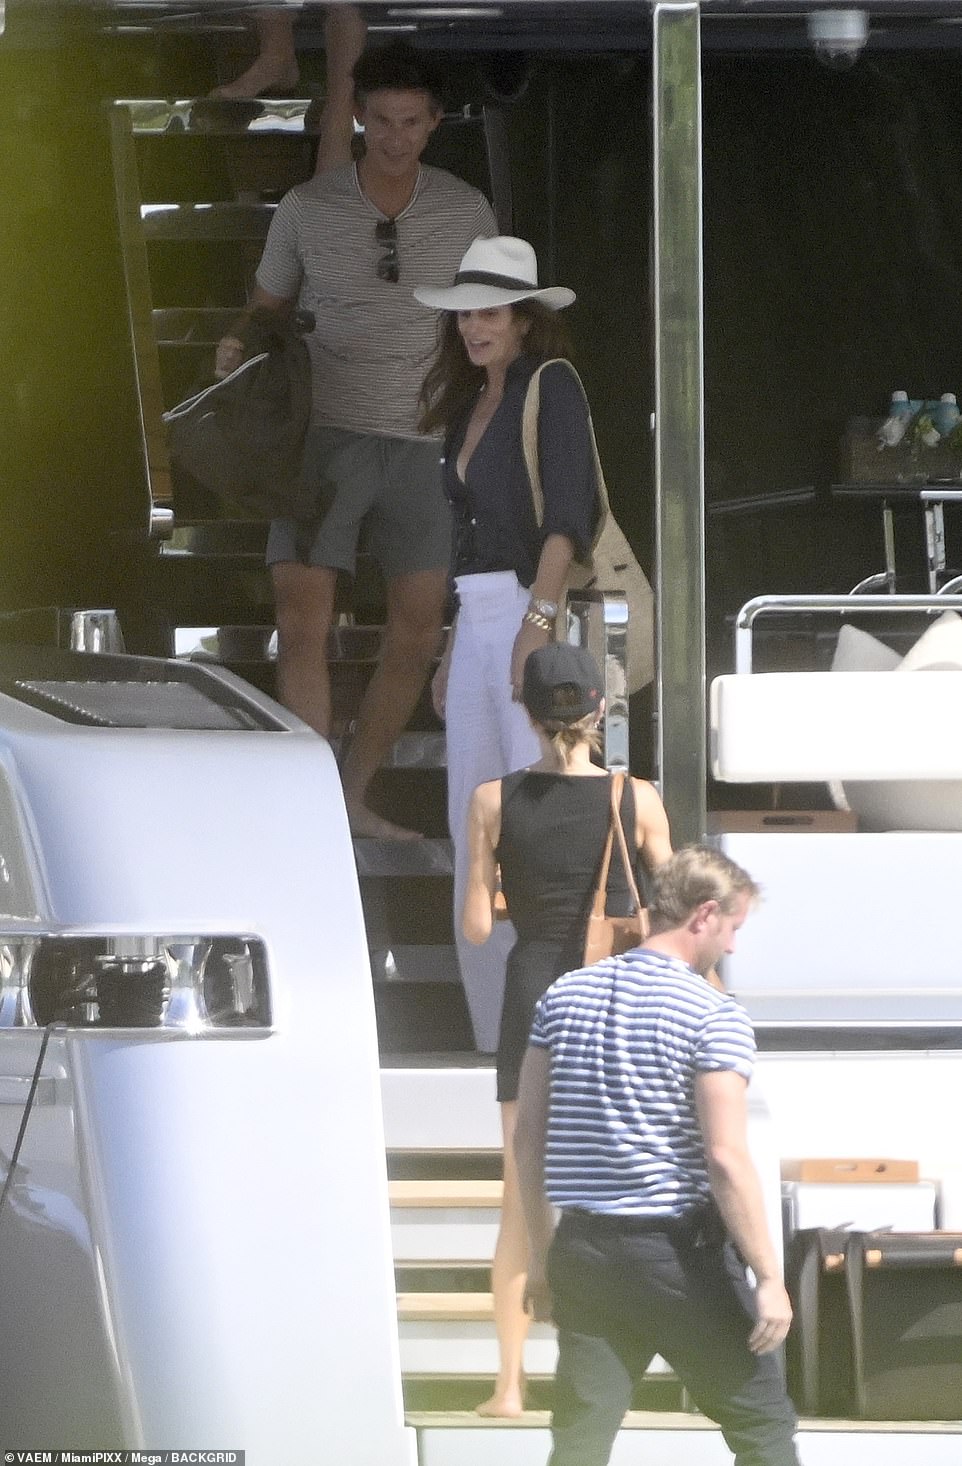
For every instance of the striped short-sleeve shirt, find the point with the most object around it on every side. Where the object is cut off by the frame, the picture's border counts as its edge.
(627, 1039)
(373, 342)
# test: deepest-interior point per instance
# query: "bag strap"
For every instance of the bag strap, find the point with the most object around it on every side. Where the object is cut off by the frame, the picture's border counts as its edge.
(601, 889)
(529, 441)
(619, 829)
(615, 828)
(189, 404)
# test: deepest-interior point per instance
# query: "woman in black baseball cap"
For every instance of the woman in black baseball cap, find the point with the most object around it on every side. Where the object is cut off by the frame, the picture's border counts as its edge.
(545, 827)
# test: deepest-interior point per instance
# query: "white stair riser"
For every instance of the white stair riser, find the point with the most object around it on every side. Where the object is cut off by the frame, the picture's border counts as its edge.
(437, 1234)
(685, 1447)
(442, 1348)
(459, 1346)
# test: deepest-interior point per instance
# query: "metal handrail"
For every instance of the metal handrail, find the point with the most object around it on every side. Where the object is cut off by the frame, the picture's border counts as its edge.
(785, 604)
(598, 619)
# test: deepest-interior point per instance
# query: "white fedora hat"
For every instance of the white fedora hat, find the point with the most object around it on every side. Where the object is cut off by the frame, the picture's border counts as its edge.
(494, 272)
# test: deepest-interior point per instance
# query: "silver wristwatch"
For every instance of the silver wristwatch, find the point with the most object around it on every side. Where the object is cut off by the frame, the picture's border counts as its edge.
(544, 608)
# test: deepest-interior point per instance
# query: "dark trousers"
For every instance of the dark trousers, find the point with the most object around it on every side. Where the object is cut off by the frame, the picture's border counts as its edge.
(623, 1293)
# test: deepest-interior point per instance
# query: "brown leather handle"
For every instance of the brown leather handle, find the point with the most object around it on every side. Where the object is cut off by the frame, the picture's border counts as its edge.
(601, 889)
(615, 827)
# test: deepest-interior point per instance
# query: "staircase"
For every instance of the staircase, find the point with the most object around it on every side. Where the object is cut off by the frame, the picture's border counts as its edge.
(197, 183)
(445, 1194)
(444, 1166)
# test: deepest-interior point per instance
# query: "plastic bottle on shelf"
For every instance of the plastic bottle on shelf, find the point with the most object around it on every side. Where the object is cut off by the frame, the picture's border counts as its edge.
(947, 414)
(929, 434)
(892, 431)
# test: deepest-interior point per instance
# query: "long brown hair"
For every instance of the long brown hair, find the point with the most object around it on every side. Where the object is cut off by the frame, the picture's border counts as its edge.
(453, 382)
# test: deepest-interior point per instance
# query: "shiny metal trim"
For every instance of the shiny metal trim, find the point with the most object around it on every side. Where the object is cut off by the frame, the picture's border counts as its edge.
(161, 522)
(95, 631)
(16, 962)
(681, 751)
(598, 620)
(146, 360)
(222, 222)
(211, 116)
(844, 605)
(185, 1006)
(175, 963)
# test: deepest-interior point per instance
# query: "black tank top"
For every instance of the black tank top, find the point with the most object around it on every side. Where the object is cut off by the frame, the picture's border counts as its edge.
(553, 831)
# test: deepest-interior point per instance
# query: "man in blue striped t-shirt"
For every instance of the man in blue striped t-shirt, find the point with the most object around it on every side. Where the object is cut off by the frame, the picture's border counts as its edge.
(632, 1119)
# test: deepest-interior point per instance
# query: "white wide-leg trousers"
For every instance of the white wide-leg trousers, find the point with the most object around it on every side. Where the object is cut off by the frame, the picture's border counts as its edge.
(488, 736)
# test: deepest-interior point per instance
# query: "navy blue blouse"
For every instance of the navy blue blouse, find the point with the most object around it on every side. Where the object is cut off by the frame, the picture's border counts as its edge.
(494, 522)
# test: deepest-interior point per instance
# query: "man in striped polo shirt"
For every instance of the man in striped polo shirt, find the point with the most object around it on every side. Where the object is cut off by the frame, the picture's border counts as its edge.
(632, 1119)
(349, 246)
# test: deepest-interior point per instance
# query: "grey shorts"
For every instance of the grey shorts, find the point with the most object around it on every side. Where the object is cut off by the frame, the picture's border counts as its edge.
(390, 485)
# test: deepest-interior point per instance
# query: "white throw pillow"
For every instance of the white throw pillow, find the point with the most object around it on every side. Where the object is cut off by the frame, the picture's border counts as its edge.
(938, 649)
(913, 804)
(856, 651)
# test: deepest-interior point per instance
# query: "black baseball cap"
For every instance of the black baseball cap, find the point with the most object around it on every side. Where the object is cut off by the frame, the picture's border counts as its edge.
(562, 683)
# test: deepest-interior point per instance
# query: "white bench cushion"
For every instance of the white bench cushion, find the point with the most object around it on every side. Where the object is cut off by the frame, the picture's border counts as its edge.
(802, 727)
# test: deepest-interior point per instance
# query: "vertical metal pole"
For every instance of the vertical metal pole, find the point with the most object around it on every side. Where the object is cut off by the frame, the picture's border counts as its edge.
(679, 427)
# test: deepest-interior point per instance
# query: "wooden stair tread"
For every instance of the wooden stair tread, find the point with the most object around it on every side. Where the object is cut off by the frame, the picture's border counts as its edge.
(448, 1193)
(446, 1307)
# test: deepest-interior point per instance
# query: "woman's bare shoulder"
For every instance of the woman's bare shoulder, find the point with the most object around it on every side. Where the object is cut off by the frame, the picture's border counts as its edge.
(487, 797)
(646, 795)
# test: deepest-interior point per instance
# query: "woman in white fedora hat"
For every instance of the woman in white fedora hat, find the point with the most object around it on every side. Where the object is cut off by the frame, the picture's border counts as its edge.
(499, 326)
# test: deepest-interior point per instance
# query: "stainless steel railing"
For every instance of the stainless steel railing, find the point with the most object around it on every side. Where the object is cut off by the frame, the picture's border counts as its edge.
(841, 604)
(598, 619)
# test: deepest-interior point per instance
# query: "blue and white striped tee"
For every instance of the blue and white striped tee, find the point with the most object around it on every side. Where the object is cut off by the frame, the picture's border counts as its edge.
(627, 1039)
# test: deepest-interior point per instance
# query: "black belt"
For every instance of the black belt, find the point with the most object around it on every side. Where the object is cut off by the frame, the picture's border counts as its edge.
(698, 1226)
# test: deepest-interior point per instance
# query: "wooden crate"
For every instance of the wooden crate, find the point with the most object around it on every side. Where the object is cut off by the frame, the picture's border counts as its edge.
(847, 1170)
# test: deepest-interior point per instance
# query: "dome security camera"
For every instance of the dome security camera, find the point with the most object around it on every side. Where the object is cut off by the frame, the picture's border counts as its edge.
(838, 37)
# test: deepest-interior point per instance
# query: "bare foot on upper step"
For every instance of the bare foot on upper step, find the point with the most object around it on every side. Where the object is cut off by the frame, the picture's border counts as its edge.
(266, 73)
(503, 1405)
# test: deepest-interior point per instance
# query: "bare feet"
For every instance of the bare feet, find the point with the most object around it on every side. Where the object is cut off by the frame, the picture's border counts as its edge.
(366, 825)
(503, 1405)
(266, 73)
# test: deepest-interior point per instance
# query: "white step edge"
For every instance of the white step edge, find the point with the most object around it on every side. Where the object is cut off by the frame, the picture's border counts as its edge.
(670, 1440)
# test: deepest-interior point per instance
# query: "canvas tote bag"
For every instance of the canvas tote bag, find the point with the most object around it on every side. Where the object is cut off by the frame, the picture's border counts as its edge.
(611, 564)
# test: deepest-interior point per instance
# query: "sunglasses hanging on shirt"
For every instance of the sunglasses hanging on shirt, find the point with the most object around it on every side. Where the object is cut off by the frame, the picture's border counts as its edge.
(388, 266)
